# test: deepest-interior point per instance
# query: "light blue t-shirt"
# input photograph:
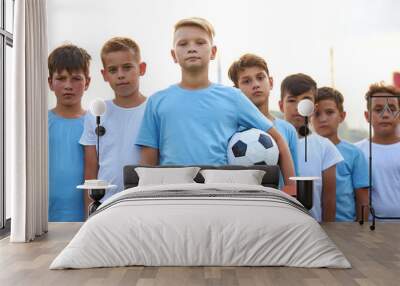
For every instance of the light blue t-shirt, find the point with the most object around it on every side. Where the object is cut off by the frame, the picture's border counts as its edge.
(289, 133)
(66, 164)
(117, 145)
(351, 174)
(194, 126)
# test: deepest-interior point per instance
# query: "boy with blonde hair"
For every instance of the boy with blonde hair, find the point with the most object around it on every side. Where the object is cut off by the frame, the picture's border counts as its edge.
(122, 68)
(322, 154)
(352, 173)
(192, 122)
(251, 75)
(68, 78)
(385, 121)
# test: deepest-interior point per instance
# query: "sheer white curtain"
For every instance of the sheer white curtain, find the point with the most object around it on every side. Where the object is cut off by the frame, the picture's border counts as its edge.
(26, 123)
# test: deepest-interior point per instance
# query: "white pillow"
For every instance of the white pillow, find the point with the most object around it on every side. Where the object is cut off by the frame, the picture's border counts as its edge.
(165, 176)
(248, 177)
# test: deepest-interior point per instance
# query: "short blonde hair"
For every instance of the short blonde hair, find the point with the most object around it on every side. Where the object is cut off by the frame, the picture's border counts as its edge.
(117, 44)
(196, 22)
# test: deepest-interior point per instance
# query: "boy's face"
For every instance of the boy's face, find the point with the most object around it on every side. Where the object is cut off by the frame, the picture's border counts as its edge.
(68, 87)
(327, 117)
(255, 83)
(122, 71)
(193, 48)
(289, 107)
(384, 110)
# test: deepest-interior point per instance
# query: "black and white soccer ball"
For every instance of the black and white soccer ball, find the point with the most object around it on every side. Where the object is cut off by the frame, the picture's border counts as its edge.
(252, 147)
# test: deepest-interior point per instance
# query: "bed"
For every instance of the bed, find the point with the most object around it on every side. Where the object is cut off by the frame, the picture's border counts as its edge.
(201, 224)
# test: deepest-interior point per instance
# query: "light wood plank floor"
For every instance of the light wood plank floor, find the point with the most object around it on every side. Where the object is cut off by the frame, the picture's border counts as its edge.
(374, 255)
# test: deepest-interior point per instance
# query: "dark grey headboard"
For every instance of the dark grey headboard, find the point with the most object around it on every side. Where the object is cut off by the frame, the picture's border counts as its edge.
(270, 179)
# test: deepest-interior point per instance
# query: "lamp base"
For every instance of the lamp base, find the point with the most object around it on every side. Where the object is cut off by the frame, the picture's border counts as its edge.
(304, 193)
(304, 190)
(96, 195)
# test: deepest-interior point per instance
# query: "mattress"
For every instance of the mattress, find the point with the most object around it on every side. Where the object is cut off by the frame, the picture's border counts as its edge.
(201, 225)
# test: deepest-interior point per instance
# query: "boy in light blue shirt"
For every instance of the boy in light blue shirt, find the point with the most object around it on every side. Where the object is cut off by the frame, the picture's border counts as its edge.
(214, 124)
(192, 122)
(352, 173)
(251, 75)
(68, 79)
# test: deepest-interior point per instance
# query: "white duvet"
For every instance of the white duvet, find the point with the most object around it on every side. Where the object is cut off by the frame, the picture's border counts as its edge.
(206, 230)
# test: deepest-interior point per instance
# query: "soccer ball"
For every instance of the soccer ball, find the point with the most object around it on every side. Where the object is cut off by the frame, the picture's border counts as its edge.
(252, 147)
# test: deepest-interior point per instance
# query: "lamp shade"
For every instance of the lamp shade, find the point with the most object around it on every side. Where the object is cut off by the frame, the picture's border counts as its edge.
(305, 107)
(98, 107)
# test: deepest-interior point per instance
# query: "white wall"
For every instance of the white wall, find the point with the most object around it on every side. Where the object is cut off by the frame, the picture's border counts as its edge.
(293, 36)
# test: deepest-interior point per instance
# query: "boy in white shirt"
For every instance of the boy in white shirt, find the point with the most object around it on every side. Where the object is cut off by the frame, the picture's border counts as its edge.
(322, 155)
(122, 69)
(385, 121)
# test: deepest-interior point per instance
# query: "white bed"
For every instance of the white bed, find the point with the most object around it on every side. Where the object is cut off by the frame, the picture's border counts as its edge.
(203, 225)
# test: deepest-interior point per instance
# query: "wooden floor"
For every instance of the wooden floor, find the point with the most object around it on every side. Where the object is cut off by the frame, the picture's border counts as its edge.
(374, 255)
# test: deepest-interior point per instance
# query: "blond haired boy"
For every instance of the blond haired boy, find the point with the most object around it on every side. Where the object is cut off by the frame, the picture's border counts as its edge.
(122, 68)
(191, 122)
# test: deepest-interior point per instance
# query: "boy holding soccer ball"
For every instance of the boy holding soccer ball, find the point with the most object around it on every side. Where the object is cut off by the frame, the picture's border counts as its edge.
(191, 122)
(251, 75)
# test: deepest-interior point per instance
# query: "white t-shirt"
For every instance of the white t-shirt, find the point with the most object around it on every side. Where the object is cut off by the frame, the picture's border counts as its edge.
(385, 177)
(117, 145)
(321, 155)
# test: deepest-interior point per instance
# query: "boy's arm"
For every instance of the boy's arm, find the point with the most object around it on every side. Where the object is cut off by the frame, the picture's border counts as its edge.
(249, 116)
(285, 159)
(148, 156)
(360, 182)
(329, 194)
(293, 143)
(362, 199)
(91, 170)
